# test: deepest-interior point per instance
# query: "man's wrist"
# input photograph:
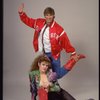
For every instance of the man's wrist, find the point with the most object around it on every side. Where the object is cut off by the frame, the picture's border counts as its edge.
(73, 53)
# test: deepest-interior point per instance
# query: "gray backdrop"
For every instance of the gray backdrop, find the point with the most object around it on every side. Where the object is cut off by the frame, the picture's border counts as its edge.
(79, 18)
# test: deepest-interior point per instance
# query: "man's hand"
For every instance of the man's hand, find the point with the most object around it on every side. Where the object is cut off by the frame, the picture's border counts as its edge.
(21, 8)
(75, 57)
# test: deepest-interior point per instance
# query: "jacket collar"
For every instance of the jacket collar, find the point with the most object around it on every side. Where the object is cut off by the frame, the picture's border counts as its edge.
(51, 24)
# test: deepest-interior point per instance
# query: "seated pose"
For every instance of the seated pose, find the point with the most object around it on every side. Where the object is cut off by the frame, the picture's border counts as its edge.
(43, 81)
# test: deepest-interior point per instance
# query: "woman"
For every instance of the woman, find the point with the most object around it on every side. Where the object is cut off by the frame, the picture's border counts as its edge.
(43, 81)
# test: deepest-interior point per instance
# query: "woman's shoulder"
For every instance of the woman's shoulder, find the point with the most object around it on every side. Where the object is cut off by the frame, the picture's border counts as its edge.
(52, 76)
(35, 72)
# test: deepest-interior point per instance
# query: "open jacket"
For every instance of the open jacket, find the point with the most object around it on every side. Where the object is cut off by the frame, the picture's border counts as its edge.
(34, 77)
(58, 37)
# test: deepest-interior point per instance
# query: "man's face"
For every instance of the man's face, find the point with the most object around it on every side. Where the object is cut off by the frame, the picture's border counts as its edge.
(49, 18)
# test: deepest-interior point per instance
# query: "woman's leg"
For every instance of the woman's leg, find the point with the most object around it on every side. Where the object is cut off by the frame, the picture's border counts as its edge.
(66, 95)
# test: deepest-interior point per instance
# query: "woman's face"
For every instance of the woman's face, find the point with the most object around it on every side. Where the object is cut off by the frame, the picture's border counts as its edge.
(43, 66)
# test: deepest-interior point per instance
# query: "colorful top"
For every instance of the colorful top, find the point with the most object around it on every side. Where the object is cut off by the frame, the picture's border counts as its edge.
(35, 81)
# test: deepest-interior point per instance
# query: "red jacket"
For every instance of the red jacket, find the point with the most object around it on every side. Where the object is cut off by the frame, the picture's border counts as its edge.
(58, 37)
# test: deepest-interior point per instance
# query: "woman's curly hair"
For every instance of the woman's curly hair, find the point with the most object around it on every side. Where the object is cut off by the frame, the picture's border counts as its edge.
(39, 59)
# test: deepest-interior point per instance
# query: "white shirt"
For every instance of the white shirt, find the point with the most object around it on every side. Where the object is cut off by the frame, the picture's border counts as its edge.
(46, 40)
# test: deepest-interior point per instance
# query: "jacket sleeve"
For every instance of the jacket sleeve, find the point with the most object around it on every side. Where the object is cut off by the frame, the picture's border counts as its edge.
(33, 88)
(27, 20)
(65, 42)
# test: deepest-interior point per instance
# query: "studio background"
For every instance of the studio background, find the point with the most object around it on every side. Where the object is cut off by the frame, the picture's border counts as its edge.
(79, 18)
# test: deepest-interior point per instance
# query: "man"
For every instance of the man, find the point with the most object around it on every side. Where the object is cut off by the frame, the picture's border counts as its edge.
(50, 38)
